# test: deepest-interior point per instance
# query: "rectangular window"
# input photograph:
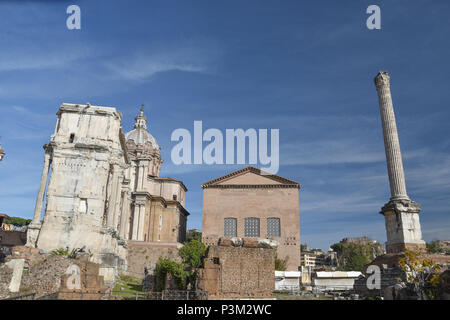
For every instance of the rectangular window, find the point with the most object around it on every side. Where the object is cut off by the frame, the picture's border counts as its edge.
(251, 227)
(273, 227)
(230, 227)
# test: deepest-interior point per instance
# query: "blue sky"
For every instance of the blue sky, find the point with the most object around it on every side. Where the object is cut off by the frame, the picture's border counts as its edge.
(304, 67)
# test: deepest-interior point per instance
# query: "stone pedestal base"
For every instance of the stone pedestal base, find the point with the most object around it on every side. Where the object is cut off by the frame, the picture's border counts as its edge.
(403, 226)
(400, 206)
(400, 247)
(33, 234)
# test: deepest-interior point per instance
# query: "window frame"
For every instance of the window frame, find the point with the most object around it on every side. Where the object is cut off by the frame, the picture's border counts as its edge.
(225, 229)
(246, 226)
(279, 227)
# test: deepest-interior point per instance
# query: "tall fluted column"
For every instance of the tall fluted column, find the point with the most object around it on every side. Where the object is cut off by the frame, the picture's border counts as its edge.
(391, 142)
(112, 197)
(401, 214)
(141, 222)
(35, 226)
(117, 211)
(124, 217)
(134, 235)
(40, 197)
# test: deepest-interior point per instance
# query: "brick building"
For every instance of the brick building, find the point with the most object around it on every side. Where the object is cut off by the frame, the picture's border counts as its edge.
(238, 272)
(252, 203)
(318, 258)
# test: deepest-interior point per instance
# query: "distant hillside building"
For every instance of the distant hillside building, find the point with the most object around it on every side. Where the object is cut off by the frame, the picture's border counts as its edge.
(252, 203)
(318, 258)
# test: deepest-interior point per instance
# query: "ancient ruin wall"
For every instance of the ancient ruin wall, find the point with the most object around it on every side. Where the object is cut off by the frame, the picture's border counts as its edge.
(143, 255)
(238, 272)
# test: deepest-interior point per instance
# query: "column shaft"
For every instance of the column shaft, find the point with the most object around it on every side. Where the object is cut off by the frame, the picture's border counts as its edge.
(134, 236)
(391, 141)
(141, 222)
(112, 198)
(40, 196)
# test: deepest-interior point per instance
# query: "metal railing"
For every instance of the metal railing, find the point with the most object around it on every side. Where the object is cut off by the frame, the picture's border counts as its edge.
(163, 295)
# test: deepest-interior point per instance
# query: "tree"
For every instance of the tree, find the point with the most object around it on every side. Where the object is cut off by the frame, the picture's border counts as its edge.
(280, 264)
(356, 260)
(352, 256)
(436, 246)
(421, 274)
(192, 254)
(176, 270)
(17, 221)
(193, 235)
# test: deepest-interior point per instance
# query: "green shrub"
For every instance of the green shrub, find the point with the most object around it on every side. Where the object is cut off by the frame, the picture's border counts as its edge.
(176, 270)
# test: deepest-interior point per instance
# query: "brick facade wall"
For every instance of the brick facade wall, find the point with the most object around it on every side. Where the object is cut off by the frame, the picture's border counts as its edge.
(144, 254)
(265, 203)
(232, 272)
(12, 238)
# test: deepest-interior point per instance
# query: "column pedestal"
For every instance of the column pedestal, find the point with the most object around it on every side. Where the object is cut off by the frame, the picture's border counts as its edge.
(403, 226)
(33, 230)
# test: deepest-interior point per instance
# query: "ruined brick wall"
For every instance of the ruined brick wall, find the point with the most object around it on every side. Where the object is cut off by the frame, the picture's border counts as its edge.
(238, 272)
(45, 274)
(142, 254)
(5, 278)
(12, 238)
(92, 286)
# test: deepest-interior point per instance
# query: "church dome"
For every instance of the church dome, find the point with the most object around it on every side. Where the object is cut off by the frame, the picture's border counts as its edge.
(139, 135)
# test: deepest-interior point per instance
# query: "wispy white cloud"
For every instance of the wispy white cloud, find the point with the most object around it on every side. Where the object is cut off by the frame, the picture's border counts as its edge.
(349, 150)
(24, 123)
(15, 59)
(350, 203)
(431, 173)
(139, 68)
(191, 57)
(31, 114)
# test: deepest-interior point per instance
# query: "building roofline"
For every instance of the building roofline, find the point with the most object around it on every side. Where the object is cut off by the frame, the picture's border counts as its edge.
(164, 201)
(171, 180)
(285, 183)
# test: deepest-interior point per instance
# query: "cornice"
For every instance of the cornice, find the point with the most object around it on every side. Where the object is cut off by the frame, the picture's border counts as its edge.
(252, 186)
(286, 183)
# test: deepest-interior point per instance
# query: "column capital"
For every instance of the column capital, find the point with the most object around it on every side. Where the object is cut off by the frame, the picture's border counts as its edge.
(382, 79)
(140, 202)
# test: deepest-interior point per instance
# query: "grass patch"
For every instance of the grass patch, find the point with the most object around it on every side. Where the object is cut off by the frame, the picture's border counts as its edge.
(127, 287)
